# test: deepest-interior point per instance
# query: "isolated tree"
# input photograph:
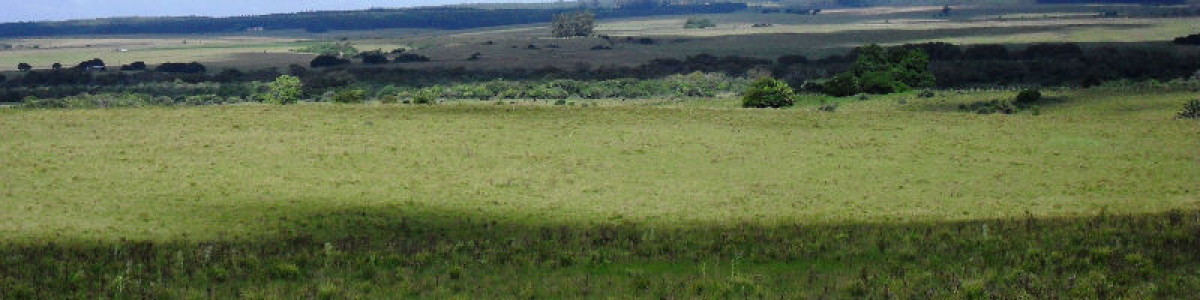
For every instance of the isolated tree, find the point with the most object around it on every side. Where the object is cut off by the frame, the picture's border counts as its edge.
(284, 90)
(579, 23)
(24, 67)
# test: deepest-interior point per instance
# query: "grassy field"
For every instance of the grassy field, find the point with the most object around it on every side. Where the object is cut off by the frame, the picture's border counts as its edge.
(1094, 197)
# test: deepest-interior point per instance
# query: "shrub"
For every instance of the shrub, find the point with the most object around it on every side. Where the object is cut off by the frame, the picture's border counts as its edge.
(410, 57)
(842, 85)
(135, 66)
(1191, 110)
(190, 68)
(880, 83)
(427, 95)
(375, 57)
(24, 67)
(1028, 97)
(350, 96)
(926, 94)
(284, 90)
(326, 60)
(769, 92)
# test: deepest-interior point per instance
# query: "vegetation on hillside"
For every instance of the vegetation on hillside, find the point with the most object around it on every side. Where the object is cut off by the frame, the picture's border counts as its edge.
(579, 23)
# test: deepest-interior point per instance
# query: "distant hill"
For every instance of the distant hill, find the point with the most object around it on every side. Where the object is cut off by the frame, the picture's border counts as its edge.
(448, 17)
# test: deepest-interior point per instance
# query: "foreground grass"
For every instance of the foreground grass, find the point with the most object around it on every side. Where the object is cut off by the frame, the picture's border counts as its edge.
(1094, 197)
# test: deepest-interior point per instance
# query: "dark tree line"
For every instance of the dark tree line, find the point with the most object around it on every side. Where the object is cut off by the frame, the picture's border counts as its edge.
(952, 66)
(434, 17)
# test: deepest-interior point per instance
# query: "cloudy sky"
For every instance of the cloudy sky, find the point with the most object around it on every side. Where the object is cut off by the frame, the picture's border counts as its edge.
(42, 10)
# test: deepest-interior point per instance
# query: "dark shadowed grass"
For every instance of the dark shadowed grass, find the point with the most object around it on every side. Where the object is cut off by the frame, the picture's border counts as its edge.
(383, 252)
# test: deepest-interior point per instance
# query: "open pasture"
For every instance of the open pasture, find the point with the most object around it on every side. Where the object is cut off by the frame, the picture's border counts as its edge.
(668, 199)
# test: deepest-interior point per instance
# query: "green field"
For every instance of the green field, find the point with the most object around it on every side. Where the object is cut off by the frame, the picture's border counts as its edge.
(896, 196)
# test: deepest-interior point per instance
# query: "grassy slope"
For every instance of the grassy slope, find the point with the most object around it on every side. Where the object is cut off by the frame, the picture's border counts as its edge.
(880, 198)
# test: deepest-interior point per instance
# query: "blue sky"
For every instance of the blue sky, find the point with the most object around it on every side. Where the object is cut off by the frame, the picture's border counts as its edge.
(42, 10)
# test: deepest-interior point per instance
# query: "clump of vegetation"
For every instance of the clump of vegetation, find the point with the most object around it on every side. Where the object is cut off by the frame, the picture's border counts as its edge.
(411, 57)
(1192, 40)
(580, 23)
(427, 95)
(883, 71)
(373, 57)
(698, 23)
(339, 49)
(1191, 110)
(350, 96)
(1028, 97)
(24, 67)
(135, 66)
(284, 90)
(327, 60)
(190, 68)
(842, 85)
(769, 92)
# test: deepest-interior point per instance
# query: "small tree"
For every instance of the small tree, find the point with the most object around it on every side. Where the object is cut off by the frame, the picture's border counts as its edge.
(24, 67)
(284, 90)
(769, 92)
(580, 23)
(56, 66)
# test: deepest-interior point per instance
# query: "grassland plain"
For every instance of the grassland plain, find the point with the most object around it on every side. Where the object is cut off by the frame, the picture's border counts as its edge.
(1093, 198)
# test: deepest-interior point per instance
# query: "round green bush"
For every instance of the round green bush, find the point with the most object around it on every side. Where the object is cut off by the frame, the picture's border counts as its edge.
(769, 92)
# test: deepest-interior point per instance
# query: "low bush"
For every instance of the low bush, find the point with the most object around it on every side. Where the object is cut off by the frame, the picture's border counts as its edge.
(769, 92)
(1028, 97)
(1191, 110)
(350, 96)
(842, 85)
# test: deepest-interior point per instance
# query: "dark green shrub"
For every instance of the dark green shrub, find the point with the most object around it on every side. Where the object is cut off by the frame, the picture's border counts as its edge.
(769, 92)
(410, 57)
(1191, 110)
(880, 83)
(326, 60)
(427, 95)
(1027, 97)
(350, 96)
(842, 85)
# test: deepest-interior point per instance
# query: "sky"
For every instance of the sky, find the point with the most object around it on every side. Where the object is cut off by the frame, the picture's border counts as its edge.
(53, 10)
